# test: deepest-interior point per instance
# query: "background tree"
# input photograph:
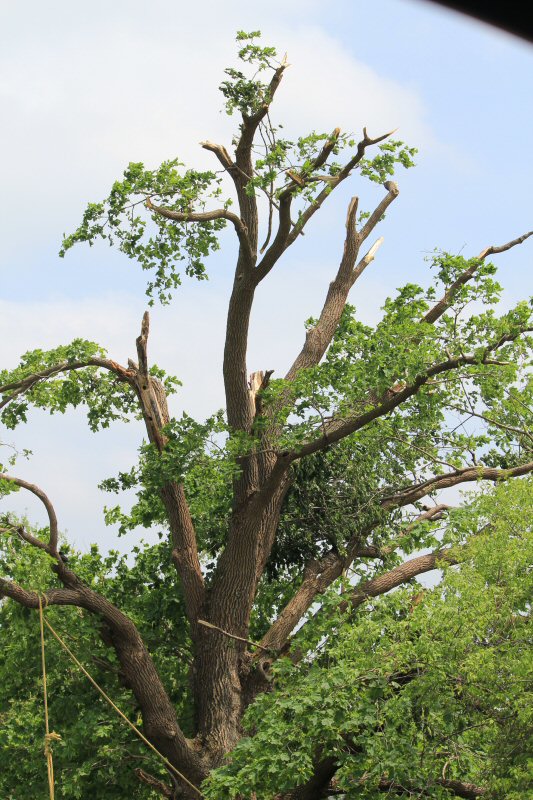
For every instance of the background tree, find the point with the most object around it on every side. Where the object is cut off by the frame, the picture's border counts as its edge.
(301, 479)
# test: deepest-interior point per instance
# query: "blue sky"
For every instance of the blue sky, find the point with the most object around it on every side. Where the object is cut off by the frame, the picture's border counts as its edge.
(86, 88)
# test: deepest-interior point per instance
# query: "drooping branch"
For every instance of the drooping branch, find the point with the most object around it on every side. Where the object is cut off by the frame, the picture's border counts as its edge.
(51, 546)
(446, 301)
(17, 388)
(207, 216)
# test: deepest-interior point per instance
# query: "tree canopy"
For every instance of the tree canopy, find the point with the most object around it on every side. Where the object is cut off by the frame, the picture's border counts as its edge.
(258, 644)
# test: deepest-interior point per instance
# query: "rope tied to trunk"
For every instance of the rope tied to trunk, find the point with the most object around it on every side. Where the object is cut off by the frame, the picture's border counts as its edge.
(51, 736)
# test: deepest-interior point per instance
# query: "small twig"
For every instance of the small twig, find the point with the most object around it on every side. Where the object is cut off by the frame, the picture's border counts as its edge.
(233, 635)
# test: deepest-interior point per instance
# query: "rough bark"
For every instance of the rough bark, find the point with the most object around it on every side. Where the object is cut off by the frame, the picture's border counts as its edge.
(225, 675)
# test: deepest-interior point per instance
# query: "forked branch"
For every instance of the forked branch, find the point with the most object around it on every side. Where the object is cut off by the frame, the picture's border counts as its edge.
(345, 172)
(319, 337)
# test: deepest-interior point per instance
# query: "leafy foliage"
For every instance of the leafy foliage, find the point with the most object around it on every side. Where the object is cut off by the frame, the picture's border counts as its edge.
(420, 684)
(407, 692)
(158, 244)
(97, 753)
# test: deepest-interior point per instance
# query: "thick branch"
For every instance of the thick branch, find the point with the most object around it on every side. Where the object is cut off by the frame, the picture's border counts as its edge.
(320, 574)
(446, 301)
(138, 669)
(319, 337)
(29, 599)
(313, 788)
(400, 574)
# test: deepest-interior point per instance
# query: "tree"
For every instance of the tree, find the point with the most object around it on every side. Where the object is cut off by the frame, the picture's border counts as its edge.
(302, 480)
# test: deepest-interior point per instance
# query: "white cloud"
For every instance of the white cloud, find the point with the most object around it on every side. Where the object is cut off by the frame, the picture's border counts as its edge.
(80, 101)
(84, 90)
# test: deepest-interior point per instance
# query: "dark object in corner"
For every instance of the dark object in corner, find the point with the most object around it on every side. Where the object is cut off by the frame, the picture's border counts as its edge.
(511, 17)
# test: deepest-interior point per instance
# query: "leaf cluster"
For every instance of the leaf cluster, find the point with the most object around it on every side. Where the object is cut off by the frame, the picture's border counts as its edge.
(420, 684)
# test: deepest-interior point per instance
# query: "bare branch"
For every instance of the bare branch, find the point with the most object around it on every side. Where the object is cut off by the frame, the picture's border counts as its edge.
(467, 475)
(367, 259)
(319, 337)
(221, 153)
(142, 344)
(345, 172)
(51, 547)
(392, 193)
(153, 402)
(400, 574)
(212, 627)
(493, 249)
(445, 302)
(22, 533)
(163, 788)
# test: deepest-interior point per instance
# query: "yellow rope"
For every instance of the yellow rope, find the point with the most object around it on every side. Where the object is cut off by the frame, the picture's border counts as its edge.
(49, 737)
(111, 703)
